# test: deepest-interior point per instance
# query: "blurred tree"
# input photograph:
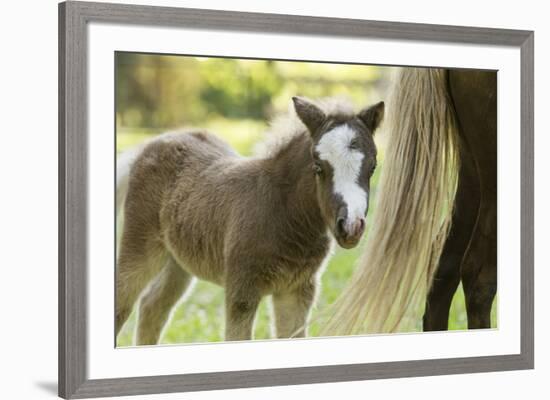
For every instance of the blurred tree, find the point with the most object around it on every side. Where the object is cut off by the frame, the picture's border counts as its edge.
(239, 88)
(158, 92)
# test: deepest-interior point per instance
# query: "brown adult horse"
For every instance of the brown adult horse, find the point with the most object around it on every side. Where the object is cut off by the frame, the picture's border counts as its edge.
(436, 220)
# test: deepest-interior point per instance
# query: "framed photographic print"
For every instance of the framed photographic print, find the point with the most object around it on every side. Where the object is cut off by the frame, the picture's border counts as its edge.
(281, 199)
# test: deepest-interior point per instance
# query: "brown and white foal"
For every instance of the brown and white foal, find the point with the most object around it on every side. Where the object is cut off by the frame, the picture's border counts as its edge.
(256, 226)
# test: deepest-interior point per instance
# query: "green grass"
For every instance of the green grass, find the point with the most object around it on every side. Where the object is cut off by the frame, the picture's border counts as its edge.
(200, 318)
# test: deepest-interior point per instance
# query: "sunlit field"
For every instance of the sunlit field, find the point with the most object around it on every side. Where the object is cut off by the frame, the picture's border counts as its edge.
(235, 100)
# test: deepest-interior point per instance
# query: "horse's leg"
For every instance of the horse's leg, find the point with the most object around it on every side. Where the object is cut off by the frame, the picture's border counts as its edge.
(479, 272)
(241, 303)
(475, 99)
(139, 260)
(292, 310)
(447, 277)
(159, 299)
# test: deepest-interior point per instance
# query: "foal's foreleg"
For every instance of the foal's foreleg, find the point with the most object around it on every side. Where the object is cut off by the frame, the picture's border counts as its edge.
(159, 299)
(241, 303)
(292, 309)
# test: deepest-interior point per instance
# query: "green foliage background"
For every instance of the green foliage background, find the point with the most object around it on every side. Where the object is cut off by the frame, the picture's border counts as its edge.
(235, 99)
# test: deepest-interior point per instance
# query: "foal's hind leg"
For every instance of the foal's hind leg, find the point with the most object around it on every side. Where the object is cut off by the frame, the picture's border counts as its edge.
(447, 277)
(137, 264)
(160, 297)
(292, 310)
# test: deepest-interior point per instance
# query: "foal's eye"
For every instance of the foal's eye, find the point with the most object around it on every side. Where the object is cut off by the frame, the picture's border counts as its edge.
(317, 169)
(354, 145)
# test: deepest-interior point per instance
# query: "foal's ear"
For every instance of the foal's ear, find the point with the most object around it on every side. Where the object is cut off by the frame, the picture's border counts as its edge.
(372, 116)
(311, 115)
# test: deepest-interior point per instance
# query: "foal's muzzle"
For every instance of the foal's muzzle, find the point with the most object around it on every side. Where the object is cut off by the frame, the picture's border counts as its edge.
(349, 232)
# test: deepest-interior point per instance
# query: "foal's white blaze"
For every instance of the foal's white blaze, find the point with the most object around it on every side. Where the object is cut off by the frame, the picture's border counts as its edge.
(346, 163)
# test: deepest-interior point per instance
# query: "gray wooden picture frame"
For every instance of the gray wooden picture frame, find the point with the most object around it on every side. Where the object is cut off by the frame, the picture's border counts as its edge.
(73, 196)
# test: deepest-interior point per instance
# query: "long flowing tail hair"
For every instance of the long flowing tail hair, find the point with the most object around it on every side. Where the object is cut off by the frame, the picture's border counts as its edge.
(413, 213)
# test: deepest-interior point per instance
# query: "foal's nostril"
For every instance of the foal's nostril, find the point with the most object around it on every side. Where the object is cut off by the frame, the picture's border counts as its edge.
(361, 226)
(340, 225)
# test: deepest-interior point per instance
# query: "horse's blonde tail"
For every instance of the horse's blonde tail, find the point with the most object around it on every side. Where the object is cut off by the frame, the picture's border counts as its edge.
(413, 212)
(124, 164)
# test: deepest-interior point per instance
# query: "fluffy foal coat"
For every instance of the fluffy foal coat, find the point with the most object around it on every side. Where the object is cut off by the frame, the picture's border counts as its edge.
(255, 226)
